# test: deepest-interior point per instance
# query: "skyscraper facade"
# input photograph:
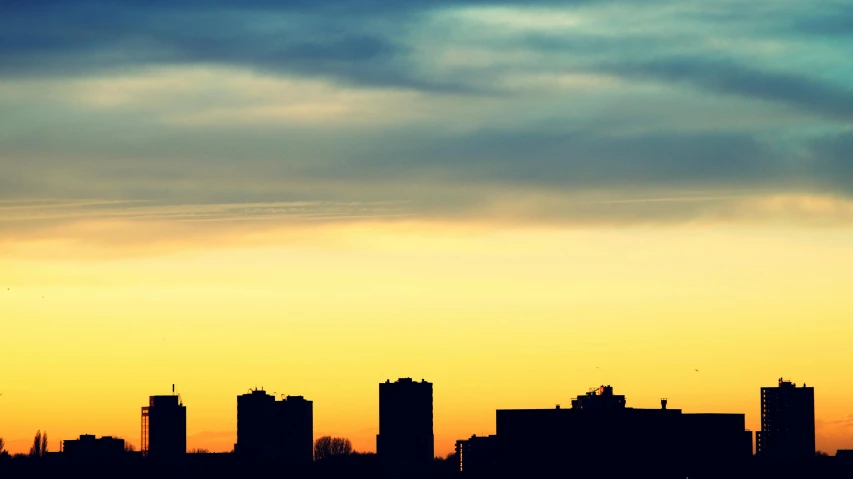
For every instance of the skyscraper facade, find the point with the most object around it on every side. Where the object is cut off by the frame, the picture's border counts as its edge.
(405, 439)
(275, 430)
(256, 425)
(787, 422)
(296, 416)
(164, 427)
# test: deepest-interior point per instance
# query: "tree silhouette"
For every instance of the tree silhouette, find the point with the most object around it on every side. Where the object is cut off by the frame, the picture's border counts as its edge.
(35, 449)
(39, 448)
(3, 452)
(328, 447)
(128, 447)
(199, 451)
(447, 464)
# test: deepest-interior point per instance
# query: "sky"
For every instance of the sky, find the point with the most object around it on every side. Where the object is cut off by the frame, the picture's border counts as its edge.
(515, 200)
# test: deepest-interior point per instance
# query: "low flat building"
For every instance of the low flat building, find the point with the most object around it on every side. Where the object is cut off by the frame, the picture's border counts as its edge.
(88, 446)
(600, 430)
(844, 455)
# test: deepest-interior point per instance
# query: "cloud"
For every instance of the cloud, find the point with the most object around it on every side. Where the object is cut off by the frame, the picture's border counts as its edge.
(400, 45)
(833, 19)
(582, 159)
(106, 227)
(109, 232)
(362, 43)
(196, 146)
(377, 43)
(576, 113)
(139, 210)
(730, 77)
(55, 38)
(832, 160)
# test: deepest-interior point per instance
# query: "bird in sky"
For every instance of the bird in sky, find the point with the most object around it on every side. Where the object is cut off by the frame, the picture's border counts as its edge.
(697, 370)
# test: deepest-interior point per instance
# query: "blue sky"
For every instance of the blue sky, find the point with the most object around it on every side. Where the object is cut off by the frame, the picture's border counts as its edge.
(595, 110)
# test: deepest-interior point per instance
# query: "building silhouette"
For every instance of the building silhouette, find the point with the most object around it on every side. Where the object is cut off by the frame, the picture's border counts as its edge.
(256, 425)
(164, 427)
(477, 455)
(405, 440)
(844, 456)
(787, 422)
(268, 429)
(599, 429)
(297, 429)
(87, 446)
(602, 399)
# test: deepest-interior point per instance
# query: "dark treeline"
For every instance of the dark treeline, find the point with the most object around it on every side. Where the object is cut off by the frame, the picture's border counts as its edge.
(333, 457)
(134, 465)
(367, 466)
(343, 462)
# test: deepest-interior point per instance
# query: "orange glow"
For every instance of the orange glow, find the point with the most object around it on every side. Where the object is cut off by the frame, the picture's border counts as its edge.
(494, 317)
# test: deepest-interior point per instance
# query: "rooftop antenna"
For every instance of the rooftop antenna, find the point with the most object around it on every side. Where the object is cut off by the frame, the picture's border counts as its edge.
(173, 389)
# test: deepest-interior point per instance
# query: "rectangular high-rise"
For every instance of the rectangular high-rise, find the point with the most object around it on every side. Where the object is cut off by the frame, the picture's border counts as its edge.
(405, 438)
(256, 429)
(164, 427)
(296, 429)
(787, 422)
(275, 430)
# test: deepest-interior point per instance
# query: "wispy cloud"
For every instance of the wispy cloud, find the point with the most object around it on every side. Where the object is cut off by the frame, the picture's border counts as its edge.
(138, 210)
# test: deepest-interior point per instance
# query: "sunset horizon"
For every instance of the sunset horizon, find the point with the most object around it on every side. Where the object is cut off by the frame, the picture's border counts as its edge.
(517, 202)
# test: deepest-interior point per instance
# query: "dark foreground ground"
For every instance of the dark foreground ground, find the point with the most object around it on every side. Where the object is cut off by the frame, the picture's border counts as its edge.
(227, 466)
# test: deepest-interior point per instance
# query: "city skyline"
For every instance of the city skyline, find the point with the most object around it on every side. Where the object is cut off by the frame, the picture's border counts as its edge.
(261, 423)
(514, 199)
